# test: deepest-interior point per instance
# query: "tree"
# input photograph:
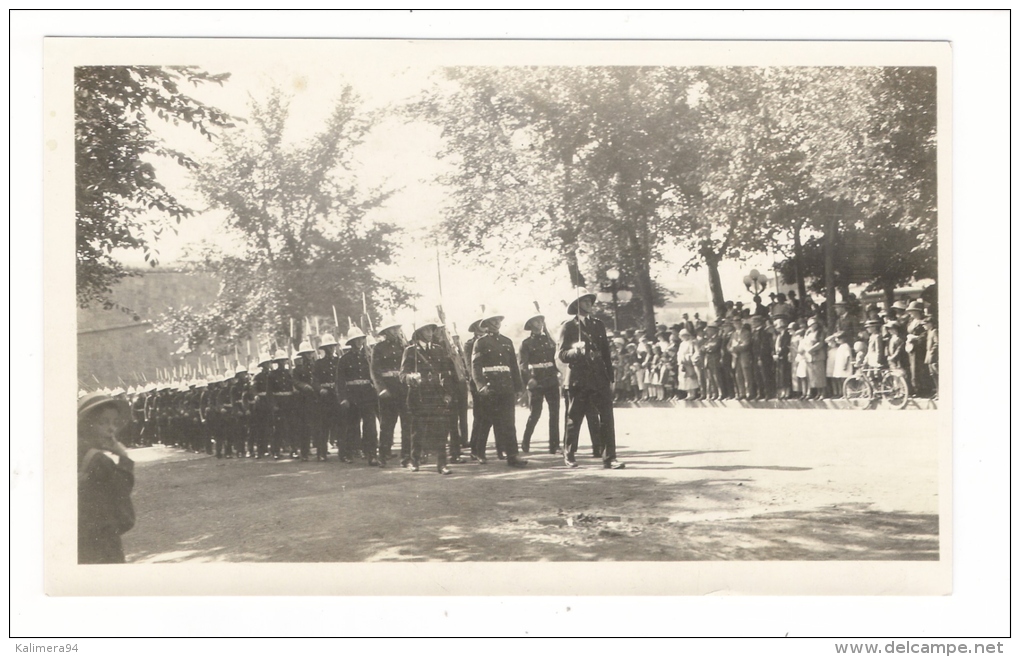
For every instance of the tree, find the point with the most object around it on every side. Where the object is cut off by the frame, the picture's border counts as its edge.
(119, 202)
(302, 218)
(572, 161)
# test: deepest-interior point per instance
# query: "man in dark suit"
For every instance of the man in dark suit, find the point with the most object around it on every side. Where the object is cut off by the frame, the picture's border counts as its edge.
(584, 347)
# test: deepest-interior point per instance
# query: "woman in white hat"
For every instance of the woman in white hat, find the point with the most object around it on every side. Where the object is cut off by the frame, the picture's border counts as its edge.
(105, 511)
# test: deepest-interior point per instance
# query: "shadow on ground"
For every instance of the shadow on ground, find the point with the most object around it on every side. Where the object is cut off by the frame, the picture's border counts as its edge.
(287, 511)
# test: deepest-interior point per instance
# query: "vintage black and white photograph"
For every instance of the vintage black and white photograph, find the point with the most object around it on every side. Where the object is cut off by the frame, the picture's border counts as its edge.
(360, 303)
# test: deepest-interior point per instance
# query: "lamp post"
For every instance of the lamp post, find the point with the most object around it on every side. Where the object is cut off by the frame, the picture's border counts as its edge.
(756, 282)
(615, 294)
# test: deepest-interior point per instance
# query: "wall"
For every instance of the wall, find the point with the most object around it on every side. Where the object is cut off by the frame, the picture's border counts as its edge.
(121, 342)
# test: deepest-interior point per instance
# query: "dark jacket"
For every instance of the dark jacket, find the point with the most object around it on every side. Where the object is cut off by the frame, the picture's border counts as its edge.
(354, 378)
(591, 366)
(386, 362)
(494, 366)
(427, 371)
(538, 361)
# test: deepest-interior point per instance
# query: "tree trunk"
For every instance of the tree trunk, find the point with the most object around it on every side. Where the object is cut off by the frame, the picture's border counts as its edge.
(890, 294)
(831, 226)
(798, 258)
(647, 292)
(714, 281)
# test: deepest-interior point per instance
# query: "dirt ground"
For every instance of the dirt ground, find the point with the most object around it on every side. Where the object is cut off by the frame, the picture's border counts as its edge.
(700, 484)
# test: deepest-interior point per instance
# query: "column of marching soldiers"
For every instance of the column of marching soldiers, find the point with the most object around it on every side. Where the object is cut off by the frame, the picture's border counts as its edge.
(350, 395)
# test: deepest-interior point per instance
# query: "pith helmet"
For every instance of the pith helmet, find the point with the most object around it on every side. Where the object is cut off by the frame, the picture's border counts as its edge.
(530, 324)
(354, 334)
(582, 294)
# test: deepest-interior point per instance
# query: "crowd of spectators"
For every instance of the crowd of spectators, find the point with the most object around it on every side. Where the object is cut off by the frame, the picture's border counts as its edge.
(783, 350)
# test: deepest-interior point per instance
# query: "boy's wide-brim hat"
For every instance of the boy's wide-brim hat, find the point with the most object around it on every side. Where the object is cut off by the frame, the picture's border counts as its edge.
(582, 294)
(684, 333)
(529, 325)
(94, 401)
(916, 305)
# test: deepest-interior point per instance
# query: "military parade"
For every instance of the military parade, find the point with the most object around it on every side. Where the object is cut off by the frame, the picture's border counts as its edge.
(289, 400)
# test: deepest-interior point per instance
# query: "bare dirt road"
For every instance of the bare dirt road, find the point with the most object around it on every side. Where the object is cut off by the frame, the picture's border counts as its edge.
(700, 484)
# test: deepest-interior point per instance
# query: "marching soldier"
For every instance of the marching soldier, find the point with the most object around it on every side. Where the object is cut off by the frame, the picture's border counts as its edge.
(498, 377)
(385, 368)
(305, 402)
(358, 399)
(481, 420)
(584, 347)
(241, 398)
(263, 414)
(428, 372)
(330, 419)
(537, 360)
(281, 388)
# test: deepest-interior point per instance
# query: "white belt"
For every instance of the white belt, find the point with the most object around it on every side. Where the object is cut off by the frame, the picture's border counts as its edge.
(496, 368)
(536, 366)
(391, 373)
(359, 382)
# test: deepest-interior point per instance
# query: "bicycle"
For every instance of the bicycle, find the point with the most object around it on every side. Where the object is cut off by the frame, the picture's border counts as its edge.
(872, 385)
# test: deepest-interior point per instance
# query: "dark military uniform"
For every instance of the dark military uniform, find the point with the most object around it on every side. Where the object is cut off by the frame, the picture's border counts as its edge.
(241, 398)
(263, 414)
(305, 416)
(331, 425)
(281, 389)
(386, 362)
(495, 372)
(481, 422)
(360, 403)
(589, 384)
(429, 374)
(537, 359)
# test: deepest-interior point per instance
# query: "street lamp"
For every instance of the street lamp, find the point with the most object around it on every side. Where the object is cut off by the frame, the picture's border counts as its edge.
(756, 282)
(614, 294)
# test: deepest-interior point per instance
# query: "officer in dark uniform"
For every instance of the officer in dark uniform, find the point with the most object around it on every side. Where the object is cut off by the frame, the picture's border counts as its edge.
(428, 371)
(306, 403)
(358, 398)
(496, 373)
(330, 419)
(263, 414)
(481, 421)
(281, 389)
(584, 347)
(537, 359)
(240, 410)
(386, 359)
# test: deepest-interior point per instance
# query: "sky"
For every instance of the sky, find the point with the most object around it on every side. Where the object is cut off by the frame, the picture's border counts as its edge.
(397, 154)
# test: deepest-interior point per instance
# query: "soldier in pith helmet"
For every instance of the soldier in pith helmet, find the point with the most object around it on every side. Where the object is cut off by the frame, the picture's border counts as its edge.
(281, 388)
(386, 359)
(305, 417)
(538, 366)
(264, 413)
(330, 419)
(358, 398)
(498, 377)
(428, 372)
